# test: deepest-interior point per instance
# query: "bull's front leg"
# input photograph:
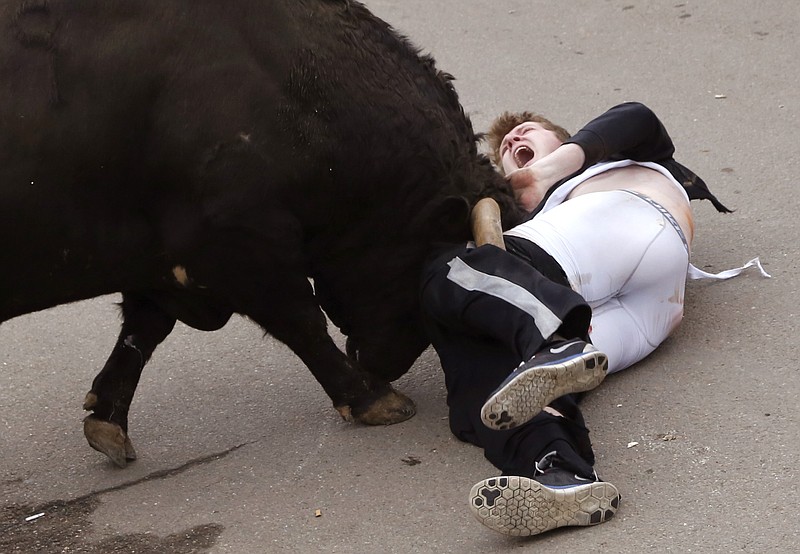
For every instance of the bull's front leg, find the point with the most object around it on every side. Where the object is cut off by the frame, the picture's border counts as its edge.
(250, 250)
(144, 327)
(265, 281)
(356, 395)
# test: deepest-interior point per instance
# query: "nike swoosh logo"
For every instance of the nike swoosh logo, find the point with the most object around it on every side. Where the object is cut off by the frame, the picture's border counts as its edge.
(560, 349)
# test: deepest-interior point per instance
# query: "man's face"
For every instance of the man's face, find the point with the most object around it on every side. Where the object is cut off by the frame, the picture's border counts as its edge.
(526, 143)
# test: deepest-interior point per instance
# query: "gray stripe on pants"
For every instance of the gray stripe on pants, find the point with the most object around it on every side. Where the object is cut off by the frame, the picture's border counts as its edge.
(473, 280)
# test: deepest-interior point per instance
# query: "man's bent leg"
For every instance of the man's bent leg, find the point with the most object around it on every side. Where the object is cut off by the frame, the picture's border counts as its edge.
(549, 482)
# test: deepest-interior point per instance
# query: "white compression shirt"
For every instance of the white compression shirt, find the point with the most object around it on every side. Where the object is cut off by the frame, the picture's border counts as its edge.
(562, 192)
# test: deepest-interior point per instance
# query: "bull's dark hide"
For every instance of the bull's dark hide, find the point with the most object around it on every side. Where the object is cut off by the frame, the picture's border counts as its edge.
(207, 157)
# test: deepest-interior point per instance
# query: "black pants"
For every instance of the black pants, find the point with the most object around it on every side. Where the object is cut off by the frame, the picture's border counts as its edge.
(482, 328)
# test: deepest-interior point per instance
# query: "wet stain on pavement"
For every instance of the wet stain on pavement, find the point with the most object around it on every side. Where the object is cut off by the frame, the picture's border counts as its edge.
(65, 526)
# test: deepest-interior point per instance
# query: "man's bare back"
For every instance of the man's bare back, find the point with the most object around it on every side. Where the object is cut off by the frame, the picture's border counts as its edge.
(648, 182)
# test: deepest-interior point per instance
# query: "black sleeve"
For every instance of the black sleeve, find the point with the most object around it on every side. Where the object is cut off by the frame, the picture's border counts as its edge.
(631, 131)
(627, 131)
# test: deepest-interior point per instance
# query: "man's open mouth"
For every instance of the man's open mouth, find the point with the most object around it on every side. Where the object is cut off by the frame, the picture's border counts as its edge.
(523, 155)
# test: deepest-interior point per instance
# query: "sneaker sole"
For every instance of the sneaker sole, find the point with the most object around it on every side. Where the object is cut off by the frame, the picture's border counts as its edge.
(521, 507)
(524, 396)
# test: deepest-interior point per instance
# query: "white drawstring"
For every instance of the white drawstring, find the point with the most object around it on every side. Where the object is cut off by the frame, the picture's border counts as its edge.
(695, 273)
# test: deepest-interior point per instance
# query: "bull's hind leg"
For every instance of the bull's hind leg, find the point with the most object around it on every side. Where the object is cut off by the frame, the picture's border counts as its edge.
(144, 326)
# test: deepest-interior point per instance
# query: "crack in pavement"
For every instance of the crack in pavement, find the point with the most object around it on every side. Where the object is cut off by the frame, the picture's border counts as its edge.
(164, 473)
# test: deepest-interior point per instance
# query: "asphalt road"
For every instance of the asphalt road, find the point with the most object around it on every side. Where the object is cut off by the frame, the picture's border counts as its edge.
(241, 452)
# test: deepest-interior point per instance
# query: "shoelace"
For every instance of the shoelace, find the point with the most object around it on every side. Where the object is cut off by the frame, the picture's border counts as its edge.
(546, 462)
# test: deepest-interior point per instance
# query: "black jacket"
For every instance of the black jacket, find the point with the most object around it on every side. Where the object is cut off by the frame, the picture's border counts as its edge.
(631, 131)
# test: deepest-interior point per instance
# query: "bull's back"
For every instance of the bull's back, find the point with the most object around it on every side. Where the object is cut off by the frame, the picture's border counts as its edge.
(107, 109)
(90, 88)
(111, 112)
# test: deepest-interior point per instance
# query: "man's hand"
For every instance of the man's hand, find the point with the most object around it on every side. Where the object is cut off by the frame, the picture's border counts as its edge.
(527, 187)
(531, 183)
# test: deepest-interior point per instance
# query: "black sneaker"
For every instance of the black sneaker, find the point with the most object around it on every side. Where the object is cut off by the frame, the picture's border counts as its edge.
(524, 506)
(563, 367)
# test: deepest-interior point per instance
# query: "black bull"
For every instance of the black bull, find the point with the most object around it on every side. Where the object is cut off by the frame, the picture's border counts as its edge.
(208, 157)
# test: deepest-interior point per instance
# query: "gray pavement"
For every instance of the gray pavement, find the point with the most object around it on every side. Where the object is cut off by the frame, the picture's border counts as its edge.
(241, 452)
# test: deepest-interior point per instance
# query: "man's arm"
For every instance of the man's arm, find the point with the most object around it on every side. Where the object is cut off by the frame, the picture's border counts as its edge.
(632, 131)
(627, 131)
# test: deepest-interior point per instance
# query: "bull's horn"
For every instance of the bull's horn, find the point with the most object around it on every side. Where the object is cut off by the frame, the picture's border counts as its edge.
(486, 226)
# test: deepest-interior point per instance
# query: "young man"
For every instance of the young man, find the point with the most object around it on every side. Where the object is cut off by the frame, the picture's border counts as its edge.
(590, 284)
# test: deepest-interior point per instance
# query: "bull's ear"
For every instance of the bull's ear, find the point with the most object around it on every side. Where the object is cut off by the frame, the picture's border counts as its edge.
(446, 220)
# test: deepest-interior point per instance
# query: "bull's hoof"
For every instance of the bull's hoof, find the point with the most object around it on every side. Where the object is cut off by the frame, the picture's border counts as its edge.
(393, 407)
(346, 412)
(110, 439)
(90, 401)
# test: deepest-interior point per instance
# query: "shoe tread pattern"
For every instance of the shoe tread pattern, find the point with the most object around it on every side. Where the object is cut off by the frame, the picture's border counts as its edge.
(526, 394)
(520, 506)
